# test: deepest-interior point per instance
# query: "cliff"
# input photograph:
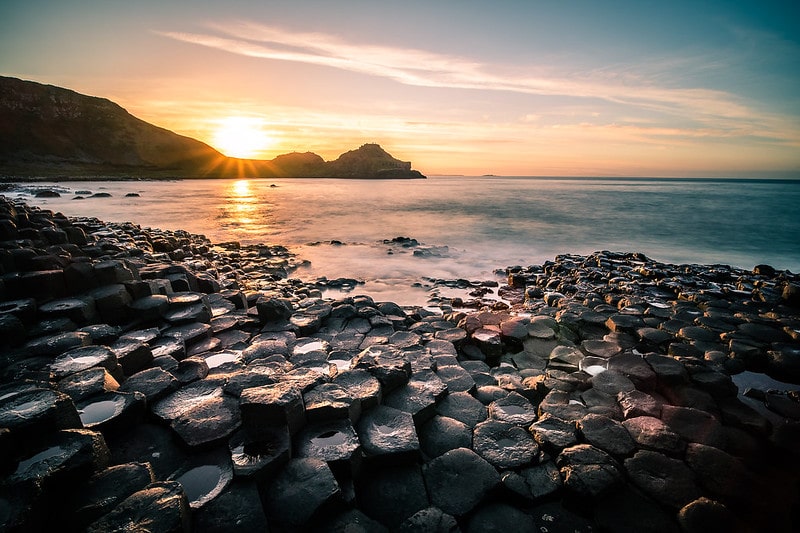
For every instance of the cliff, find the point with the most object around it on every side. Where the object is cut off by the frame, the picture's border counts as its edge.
(51, 131)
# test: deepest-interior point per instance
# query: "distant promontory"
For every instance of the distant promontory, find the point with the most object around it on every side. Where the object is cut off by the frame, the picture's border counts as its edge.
(51, 132)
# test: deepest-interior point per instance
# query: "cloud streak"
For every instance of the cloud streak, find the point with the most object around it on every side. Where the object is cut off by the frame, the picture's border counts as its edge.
(709, 109)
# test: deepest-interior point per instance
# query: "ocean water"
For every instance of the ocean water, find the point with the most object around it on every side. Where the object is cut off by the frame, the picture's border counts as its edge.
(467, 227)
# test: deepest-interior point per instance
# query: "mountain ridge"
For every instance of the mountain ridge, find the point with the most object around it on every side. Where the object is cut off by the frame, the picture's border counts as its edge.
(47, 130)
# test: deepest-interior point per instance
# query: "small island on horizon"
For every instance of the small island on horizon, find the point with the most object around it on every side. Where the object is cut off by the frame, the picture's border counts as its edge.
(48, 132)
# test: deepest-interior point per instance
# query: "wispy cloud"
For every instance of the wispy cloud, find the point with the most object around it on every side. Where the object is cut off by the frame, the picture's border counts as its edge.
(710, 109)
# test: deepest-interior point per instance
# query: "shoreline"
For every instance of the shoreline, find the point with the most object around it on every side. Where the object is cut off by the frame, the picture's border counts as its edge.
(134, 357)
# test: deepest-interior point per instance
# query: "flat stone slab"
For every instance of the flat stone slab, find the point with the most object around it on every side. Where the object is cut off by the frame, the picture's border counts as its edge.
(419, 395)
(259, 454)
(335, 442)
(84, 358)
(463, 407)
(503, 444)
(513, 408)
(607, 434)
(665, 479)
(162, 506)
(442, 434)
(392, 494)
(63, 454)
(300, 489)
(459, 480)
(388, 435)
(36, 412)
(388, 364)
(280, 404)
(588, 471)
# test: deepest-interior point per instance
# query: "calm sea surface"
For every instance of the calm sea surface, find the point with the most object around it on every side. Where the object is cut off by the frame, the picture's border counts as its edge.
(469, 225)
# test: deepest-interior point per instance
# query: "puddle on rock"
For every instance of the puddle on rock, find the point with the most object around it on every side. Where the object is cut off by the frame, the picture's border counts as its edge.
(512, 409)
(38, 458)
(200, 482)
(329, 438)
(97, 412)
(221, 358)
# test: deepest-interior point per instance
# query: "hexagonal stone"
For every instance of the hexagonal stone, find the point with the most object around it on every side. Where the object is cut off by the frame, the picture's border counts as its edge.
(35, 412)
(606, 434)
(280, 404)
(553, 434)
(162, 506)
(503, 444)
(111, 411)
(329, 401)
(463, 407)
(388, 364)
(588, 471)
(513, 408)
(259, 454)
(86, 357)
(95, 380)
(388, 435)
(392, 494)
(301, 488)
(205, 477)
(442, 434)
(694, 425)
(362, 385)
(499, 518)
(650, 432)
(335, 442)
(429, 519)
(637, 403)
(62, 455)
(418, 396)
(155, 383)
(459, 480)
(663, 478)
(456, 378)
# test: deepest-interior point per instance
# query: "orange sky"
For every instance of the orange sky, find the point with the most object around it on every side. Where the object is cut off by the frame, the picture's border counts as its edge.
(510, 88)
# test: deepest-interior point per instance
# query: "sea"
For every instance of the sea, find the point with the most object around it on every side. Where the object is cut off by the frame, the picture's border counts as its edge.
(396, 236)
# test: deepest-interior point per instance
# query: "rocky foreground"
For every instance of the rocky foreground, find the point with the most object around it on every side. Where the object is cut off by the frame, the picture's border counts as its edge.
(152, 381)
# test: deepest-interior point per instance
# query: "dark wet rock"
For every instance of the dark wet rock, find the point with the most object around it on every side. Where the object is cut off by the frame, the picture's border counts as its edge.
(392, 494)
(489, 341)
(154, 383)
(149, 443)
(388, 364)
(362, 386)
(588, 471)
(553, 434)
(133, 355)
(668, 370)
(335, 442)
(459, 480)
(694, 425)
(442, 434)
(388, 435)
(503, 444)
(300, 490)
(191, 369)
(259, 453)
(238, 507)
(61, 458)
(351, 521)
(271, 309)
(637, 403)
(606, 434)
(624, 323)
(553, 516)
(651, 433)
(500, 518)
(162, 506)
(329, 401)
(36, 412)
(201, 414)
(635, 368)
(703, 515)
(430, 519)
(715, 383)
(534, 482)
(84, 358)
(612, 382)
(562, 405)
(665, 479)
(737, 414)
(280, 404)
(628, 511)
(456, 378)
(105, 490)
(80, 310)
(720, 474)
(419, 395)
(54, 345)
(601, 403)
(462, 407)
(95, 380)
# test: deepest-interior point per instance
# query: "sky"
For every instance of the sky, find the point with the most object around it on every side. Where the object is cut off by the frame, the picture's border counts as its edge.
(567, 88)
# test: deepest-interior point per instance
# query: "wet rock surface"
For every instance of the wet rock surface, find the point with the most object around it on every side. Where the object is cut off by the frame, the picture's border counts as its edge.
(153, 379)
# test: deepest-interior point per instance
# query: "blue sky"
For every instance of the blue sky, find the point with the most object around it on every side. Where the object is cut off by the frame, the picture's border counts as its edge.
(468, 87)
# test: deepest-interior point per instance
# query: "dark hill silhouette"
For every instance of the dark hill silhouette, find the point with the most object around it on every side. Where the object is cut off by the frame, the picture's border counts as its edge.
(47, 130)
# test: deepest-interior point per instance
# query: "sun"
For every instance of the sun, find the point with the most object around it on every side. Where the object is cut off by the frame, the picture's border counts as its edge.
(241, 137)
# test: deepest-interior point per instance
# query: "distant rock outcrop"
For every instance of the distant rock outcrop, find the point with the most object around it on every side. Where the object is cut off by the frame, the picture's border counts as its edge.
(50, 131)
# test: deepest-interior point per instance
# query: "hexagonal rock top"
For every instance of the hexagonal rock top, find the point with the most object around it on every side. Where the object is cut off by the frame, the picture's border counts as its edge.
(458, 480)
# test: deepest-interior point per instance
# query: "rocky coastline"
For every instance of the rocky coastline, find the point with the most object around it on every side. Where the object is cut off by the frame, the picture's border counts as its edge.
(155, 381)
